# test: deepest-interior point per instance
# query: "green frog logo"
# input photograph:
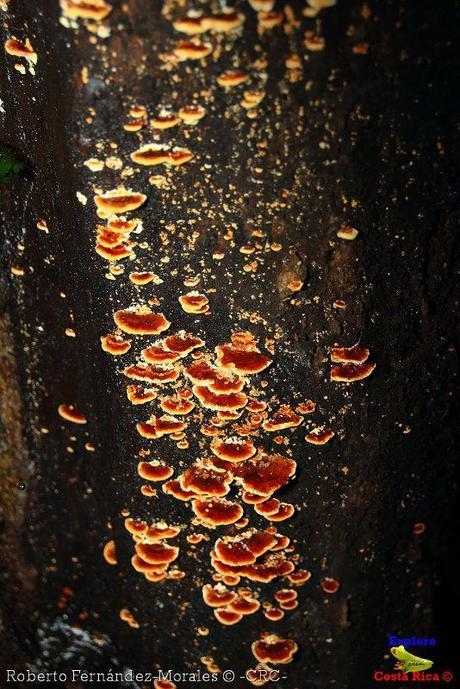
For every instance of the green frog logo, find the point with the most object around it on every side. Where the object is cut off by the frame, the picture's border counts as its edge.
(407, 662)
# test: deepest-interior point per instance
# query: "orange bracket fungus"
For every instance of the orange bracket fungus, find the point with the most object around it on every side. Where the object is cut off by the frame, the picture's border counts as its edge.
(110, 553)
(217, 511)
(138, 395)
(265, 473)
(218, 596)
(182, 342)
(348, 373)
(262, 5)
(224, 402)
(86, 9)
(190, 25)
(194, 302)
(274, 649)
(242, 356)
(154, 154)
(165, 121)
(233, 449)
(224, 21)
(163, 684)
(192, 50)
(191, 115)
(141, 278)
(158, 355)
(174, 488)
(118, 201)
(299, 577)
(157, 553)
(69, 413)
(154, 470)
(227, 617)
(20, 49)
(349, 355)
(244, 606)
(245, 548)
(330, 585)
(115, 345)
(151, 373)
(233, 77)
(284, 595)
(346, 232)
(204, 479)
(177, 405)
(283, 418)
(319, 436)
(274, 614)
(140, 321)
(157, 427)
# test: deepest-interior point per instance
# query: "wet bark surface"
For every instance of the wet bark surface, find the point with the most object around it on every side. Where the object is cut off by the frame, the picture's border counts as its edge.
(362, 140)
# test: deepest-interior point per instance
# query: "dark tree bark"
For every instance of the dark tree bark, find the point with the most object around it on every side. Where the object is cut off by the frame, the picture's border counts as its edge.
(363, 140)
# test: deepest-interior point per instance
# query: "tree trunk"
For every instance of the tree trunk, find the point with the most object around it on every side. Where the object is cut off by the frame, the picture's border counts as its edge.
(358, 134)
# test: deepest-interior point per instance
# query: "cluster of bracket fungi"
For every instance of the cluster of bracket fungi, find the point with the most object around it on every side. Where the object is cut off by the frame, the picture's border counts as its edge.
(217, 395)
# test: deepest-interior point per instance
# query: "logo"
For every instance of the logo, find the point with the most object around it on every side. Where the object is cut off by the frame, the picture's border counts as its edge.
(408, 662)
(410, 668)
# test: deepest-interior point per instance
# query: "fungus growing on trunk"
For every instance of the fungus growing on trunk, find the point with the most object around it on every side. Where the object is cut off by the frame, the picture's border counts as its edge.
(348, 373)
(69, 413)
(140, 321)
(217, 511)
(118, 201)
(274, 649)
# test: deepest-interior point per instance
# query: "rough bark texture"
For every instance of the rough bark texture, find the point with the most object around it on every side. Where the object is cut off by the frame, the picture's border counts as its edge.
(363, 140)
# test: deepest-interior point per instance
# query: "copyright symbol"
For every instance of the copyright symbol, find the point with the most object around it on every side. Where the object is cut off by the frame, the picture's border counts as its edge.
(447, 676)
(228, 676)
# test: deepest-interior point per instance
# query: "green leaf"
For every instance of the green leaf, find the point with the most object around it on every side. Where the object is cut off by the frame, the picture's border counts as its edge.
(10, 165)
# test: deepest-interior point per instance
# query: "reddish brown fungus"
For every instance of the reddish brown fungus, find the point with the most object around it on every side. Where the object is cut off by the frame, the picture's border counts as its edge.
(300, 577)
(141, 321)
(227, 617)
(283, 418)
(115, 345)
(242, 361)
(174, 488)
(118, 201)
(244, 605)
(69, 413)
(274, 614)
(176, 405)
(224, 402)
(182, 342)
(154, 471)
(138, 395)
(348, 373)
(265, 473)
(319, 436)
(194, 302)
(217, 511)
(218, 596)
(157, 553)
(349, 355)
(233, 449)
(151, 373)
(86, 9)
(330, 585)
(21, 49)
(204, 479)
(141, 278)
(274, 649)
(156, 354)
(110, 553)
